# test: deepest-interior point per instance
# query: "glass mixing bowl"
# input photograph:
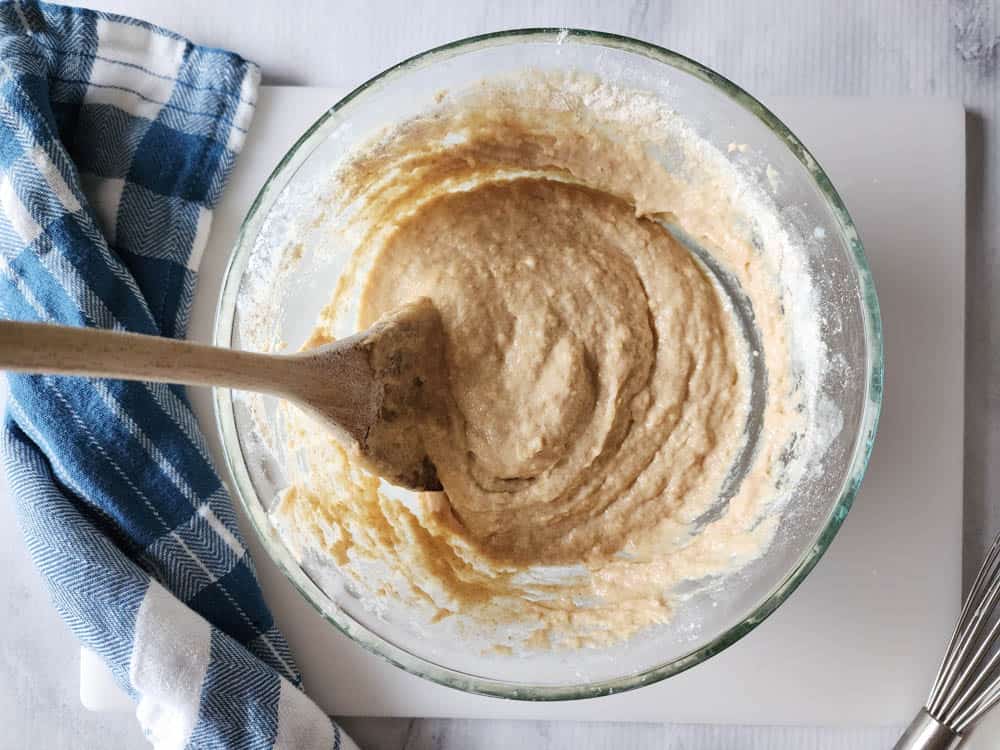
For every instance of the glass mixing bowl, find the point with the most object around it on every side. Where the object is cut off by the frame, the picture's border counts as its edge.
(807, 204)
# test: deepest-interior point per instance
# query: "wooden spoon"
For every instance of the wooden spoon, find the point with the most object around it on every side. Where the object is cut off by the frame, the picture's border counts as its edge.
(374, 389)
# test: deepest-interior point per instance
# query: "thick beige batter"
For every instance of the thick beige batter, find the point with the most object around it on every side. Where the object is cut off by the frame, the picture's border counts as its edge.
(598, 378)
(596, 382)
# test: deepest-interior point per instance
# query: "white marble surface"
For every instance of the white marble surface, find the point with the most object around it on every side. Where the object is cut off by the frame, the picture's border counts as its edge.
(769, 47)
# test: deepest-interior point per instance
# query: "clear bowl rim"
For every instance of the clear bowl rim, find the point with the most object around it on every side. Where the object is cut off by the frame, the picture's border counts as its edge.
(224, 333)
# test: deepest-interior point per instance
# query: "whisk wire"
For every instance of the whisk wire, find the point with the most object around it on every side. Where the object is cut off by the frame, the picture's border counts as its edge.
(974, 712)
(958, 706)
(967, 683)
(975, 617)
(974, 634)
(948, 664)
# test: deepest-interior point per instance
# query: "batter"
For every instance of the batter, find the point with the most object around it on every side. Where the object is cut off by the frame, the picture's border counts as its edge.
(598, 380)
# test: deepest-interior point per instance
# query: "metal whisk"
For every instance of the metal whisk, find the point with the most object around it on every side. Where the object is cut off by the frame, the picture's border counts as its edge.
(968, 681)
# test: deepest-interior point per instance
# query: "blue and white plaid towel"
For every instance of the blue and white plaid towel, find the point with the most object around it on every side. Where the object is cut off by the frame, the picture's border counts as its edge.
(116, 140)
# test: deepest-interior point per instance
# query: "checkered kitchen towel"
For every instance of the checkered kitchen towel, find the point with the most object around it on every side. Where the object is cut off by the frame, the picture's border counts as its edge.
(116, 139)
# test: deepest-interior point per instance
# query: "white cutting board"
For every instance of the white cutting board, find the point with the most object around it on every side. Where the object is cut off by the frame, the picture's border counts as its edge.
(859, 641)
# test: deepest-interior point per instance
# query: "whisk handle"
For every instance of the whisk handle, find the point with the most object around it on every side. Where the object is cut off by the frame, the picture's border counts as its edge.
(927, 733)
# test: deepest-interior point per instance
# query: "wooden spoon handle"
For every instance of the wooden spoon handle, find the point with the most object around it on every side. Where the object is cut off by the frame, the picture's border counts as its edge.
(43, 348)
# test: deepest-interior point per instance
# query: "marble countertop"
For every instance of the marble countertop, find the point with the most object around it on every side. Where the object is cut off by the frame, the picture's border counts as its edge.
(770, 47)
